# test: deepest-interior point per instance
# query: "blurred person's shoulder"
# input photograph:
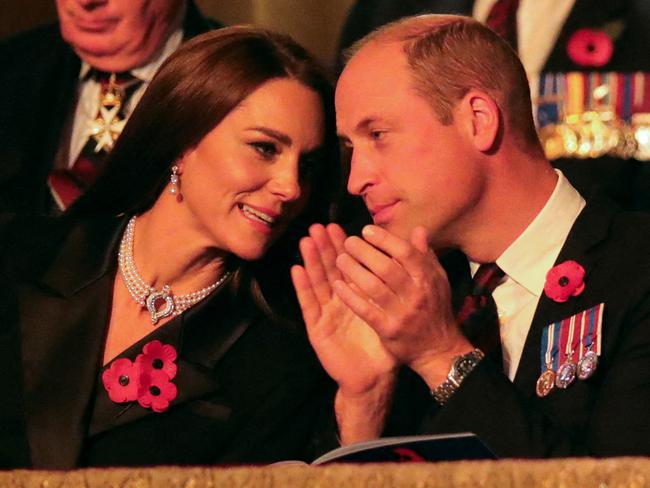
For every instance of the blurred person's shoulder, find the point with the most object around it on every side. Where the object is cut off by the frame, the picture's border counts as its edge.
(30, 46)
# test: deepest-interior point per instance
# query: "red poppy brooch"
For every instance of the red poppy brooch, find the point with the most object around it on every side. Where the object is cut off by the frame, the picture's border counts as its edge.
(147, 380)
(564, 281)
(590, 47)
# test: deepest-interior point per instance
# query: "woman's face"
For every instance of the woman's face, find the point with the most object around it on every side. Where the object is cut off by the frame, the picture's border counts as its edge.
(248, 177)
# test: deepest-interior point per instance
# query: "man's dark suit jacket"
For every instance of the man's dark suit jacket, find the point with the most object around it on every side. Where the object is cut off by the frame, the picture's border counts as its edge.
(606, 415)
(38, 82)
(248, 387)
(627, 182)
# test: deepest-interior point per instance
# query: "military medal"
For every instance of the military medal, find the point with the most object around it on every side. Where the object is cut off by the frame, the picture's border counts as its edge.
(587, 365)
(566, 373)
(589, 115)
(590, 332)
(546, 381)
(579, 334)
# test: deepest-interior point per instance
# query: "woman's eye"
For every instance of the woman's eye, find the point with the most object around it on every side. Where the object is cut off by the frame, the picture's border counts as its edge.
(377, 134)
(266, 149)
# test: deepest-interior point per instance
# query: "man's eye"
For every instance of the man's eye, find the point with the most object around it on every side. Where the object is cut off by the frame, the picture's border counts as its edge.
(266, 149)
(377, 134)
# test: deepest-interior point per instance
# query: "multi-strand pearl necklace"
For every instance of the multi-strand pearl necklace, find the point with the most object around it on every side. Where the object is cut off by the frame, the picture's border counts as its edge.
(146, 295)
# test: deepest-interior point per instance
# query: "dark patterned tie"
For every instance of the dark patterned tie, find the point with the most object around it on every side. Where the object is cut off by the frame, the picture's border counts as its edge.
(502, 19)
(478, 314)
(67, 184)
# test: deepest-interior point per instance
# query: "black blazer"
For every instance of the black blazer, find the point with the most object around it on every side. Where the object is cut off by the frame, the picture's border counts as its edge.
(606, 415)
(248, 387)
(39, 79)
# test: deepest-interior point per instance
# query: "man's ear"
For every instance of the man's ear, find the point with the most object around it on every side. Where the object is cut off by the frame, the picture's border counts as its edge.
(482, 119)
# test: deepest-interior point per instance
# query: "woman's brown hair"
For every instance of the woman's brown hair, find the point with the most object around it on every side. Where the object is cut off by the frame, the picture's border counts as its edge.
(193, 91)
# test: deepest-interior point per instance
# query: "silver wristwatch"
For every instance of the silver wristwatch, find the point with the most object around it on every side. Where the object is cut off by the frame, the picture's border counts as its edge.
(460, 368)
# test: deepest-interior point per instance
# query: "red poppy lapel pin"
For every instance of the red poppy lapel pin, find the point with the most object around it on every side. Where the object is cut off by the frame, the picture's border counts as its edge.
(564, 280)
(147, 380)
(594, 47)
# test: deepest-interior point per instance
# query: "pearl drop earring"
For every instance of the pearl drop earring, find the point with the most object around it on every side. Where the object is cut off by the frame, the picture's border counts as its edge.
(174, 180)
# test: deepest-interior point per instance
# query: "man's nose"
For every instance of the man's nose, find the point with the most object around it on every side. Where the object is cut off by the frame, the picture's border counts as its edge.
(362, 174)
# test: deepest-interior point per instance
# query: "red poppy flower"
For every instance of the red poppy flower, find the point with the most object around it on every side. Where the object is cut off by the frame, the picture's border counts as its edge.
(564, 280)
(156, 391)
(590, 47)
(122, 380)
(158, 356)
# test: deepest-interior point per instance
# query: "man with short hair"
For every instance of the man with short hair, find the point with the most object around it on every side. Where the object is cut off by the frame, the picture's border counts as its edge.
(546, 352)
(69, 88)
(585, 61)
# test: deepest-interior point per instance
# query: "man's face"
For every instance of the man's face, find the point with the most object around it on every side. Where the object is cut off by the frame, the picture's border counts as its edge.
(409, 168)
(117, 35)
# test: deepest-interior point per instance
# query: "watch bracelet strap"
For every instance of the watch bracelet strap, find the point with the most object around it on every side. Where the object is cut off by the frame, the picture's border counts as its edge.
(443, 392)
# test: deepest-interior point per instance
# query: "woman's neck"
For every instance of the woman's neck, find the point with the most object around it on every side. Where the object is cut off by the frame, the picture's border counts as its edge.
(167, 252)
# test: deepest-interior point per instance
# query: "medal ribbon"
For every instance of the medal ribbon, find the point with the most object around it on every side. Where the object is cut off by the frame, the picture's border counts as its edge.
(575, 87)
(547, 108)
(639, 86)
(547, 348)
(591, 321)
(595, 315)
(644, 101)
(566, 338)
(550, 346)
(627, 97)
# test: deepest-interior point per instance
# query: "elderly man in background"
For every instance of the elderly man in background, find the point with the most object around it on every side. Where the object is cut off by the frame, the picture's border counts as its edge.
(68, 89)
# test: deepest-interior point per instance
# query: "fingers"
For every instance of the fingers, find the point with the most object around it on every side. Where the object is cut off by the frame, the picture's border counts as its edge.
(382, 266)
(410, 255)
(363, 281)
(328, 241)
(361, 307)
(315, 270)
(309, 304)
(337, 236)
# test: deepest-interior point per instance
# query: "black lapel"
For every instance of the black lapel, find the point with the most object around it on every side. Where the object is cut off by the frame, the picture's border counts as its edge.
(61, 358)
(590, 229)
(202, 336)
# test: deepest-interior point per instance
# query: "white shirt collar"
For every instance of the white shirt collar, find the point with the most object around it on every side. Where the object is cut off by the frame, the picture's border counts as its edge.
(146, 72)
(533, 253)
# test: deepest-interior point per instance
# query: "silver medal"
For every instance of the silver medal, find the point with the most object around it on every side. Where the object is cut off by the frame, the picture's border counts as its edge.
(566, 374)
(587, 365)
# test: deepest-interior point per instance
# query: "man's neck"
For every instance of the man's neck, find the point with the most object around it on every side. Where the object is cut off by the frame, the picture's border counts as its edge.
(514, 197)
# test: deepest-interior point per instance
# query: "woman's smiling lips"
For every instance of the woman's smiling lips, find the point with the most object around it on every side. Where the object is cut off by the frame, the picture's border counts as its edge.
(260, 218)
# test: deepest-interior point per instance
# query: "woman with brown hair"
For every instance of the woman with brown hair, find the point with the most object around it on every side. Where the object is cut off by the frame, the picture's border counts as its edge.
(150, 317)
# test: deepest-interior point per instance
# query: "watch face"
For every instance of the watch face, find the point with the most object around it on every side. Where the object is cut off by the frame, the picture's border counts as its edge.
(465, 364)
